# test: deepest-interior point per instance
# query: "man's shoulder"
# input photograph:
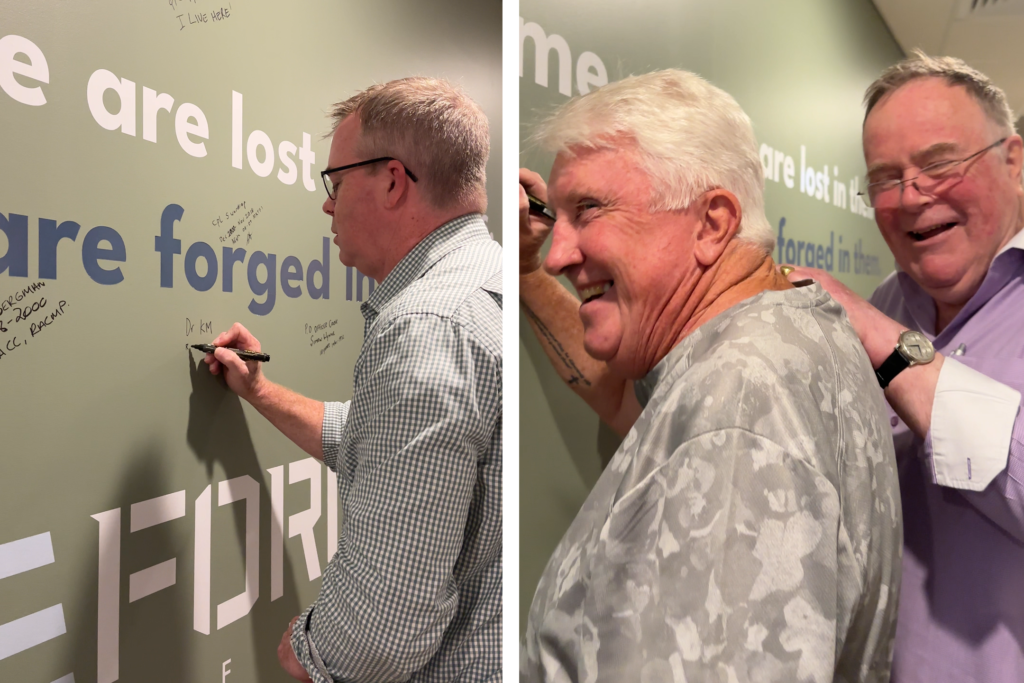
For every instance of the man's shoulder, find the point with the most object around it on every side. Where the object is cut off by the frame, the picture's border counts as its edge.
(446, 286)
(458, 300)
(788, 373)
(772, 338)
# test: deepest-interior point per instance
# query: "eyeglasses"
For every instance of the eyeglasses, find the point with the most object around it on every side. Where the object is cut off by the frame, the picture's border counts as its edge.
(332, 189)
(929, 179)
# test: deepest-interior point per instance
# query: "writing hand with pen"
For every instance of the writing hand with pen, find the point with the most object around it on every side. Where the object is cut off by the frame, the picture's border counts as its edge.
(244, 377)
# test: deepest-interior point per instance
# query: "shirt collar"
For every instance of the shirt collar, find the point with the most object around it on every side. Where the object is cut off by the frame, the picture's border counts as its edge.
(431, 249)
(678, 356)
(1016, 242)
(922, 307)
(677, 360)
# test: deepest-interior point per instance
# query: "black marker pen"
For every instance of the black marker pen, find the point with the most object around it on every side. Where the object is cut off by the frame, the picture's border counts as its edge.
(540, 208)
(244, 355)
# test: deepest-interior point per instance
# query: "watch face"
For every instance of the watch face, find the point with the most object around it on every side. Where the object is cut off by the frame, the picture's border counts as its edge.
(916, 348)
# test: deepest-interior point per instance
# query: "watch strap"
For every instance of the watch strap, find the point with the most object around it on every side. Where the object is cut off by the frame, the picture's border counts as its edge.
(893, 365)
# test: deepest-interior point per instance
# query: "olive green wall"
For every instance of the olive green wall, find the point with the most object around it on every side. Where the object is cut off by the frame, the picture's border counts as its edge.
(122, 556)
(799, 69)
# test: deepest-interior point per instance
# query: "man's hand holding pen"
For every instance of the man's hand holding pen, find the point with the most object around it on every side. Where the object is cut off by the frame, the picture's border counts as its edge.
(534, 228)
(243, 377)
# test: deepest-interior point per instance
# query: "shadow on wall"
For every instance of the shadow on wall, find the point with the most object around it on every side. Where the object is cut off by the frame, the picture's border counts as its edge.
(154, 632)
(155, 639)
(218, 433)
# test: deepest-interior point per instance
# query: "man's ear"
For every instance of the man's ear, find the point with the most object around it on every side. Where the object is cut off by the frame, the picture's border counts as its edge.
(1015, 157)
(719, 216)
(398, 185)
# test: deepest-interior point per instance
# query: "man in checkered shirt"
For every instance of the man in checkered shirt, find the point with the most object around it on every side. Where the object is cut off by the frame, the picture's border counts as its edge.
(414, 591)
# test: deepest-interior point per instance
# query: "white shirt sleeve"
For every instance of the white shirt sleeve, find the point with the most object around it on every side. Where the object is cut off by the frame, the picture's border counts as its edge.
(972, 420)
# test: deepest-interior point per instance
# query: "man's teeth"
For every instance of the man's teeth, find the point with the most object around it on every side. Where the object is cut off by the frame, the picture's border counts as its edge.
(594, 290)
(925, 233)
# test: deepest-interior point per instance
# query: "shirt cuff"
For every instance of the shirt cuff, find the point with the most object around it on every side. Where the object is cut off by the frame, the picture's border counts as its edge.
(333, 428)
(972, 419)
(305, 650)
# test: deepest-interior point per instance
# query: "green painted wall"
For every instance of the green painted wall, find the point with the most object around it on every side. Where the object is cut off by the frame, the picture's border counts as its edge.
(102, 408)
(799, 69)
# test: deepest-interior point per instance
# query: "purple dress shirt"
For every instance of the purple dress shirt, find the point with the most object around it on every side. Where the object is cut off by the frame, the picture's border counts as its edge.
(961, 614)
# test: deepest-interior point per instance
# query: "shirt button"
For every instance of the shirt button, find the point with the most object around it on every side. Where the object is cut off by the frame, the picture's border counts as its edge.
(894, 421)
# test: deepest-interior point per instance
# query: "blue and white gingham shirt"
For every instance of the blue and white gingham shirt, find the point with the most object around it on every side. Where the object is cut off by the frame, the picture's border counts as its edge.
(414, 591)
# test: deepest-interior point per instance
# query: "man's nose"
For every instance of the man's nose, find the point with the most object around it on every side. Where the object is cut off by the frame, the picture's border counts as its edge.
(911, 197)
(328, 206)
(565, 251)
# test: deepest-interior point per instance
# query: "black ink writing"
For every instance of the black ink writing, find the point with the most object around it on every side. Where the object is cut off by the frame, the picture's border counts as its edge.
(48, 319)
(18, 308)
(188, 19)
(316, 327)
(7, 303)
(205, 327)
(24, 313)
(319, 339)
(331, 344)
(240, 219)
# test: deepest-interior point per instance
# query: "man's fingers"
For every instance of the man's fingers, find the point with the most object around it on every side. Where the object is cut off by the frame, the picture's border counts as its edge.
(237, 338)
(231, 361)
(244, 338)
(211, 361)
(534, 184)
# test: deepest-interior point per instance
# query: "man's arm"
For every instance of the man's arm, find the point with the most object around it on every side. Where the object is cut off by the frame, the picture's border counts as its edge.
(553, 314)
(968, 413)
(297, 417)
(429, 406)
(286, 656)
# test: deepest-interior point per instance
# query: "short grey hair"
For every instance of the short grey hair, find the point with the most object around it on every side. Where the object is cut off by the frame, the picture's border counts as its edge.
(690, 137)
(433, 128)
(953, 71)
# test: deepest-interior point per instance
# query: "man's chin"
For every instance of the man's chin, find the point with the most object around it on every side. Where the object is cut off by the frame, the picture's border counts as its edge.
(942, 281)
(600, 349)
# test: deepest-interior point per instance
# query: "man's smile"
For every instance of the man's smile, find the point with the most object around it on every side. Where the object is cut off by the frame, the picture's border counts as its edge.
(932, 231)
(595, 291)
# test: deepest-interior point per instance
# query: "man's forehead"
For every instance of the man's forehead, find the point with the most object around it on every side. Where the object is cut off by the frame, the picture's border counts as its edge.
(343, 141)
(581, 166)
(927, 101)
(925, 114)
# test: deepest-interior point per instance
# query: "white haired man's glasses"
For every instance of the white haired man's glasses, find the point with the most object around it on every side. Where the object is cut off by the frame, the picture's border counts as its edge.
(931, 179)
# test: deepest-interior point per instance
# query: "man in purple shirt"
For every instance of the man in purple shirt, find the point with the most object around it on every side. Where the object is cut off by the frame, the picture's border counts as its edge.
(944, 174)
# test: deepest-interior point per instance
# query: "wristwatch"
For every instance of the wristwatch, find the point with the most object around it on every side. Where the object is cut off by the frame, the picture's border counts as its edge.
(912, 349)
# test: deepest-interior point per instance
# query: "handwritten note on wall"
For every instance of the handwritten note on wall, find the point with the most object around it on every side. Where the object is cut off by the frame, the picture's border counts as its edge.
(322, 336)
(24, 314)
(198, 14)
(238, 221)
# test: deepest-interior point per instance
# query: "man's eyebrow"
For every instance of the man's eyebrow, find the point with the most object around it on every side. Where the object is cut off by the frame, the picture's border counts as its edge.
(575, 194)
(917, 157)
(935, 150)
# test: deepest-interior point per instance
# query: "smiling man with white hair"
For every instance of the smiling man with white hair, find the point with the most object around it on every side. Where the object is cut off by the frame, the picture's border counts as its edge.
(748, 528)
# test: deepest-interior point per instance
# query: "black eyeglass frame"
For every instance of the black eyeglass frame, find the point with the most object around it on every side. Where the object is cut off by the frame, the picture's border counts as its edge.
(893, 183)
(327, 183)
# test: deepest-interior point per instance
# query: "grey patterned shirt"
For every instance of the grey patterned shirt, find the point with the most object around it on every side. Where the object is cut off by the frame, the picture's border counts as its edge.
(749, 527)
(414, 591)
